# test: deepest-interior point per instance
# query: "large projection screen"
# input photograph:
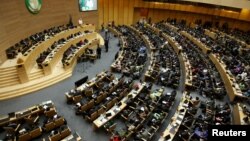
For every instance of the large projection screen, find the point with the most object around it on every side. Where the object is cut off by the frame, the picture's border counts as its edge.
(87, 5)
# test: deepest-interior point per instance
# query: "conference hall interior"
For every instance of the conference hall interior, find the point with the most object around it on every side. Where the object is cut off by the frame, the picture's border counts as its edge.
(123, 70)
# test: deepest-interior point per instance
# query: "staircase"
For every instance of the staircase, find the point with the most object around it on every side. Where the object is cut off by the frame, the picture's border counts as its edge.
(8, 77)
(38, 73)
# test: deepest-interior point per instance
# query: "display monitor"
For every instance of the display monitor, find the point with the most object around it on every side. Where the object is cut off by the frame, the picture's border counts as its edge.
(88, 5)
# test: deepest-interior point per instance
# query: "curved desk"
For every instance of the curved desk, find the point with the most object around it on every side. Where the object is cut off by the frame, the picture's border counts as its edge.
(51, 61)
(171, 26)
(211, 34)
(176, 120)
(182, 57)
(203, 47)
(101, 120)
(120, 55)
(144, 37)
(183, 60)
(232, 87)
(27, 61)
(232, 37)
(238, 115)
(114, 31)
(71, 59)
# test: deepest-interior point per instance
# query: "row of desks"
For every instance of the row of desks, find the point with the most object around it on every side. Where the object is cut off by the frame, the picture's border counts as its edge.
(88, 84)
(29, 59)
(231, 37)
(102, 119)
(121, 53)
(232, 87)
(211, 34)
(56, 55)
(203, 47)
(171, 26)
(24, 113)
(80, 50)
(176, 120)
(238, 115)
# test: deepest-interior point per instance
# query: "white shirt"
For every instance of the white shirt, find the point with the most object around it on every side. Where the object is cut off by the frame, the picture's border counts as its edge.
(80, 22)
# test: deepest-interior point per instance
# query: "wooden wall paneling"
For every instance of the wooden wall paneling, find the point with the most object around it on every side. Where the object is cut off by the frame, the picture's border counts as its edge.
(106, 12)
(120, 13)
(151, 14)
(162, 5)
(228, 14)
(171, 14)
(111, 10)
(166, 6)
(152, 4)
(141, 3)
(145, 4)
(183, 7)
(177, 7)
(211, 11)
(197, 9)
(244, 14)
(136, 3)
(205, 10)
(19, 23)
(125, 11)
(100, 12)
(223, 13)
(187, 8)
(248, 19)
(163, 14)
(136, 15)
(131, 12)
(217, 12)
(236, 16)
(4, 43)
(172, 6)
(157, 15)
(116, 11)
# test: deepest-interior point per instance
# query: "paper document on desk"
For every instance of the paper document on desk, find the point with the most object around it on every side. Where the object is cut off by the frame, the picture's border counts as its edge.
(103, 119)
(180, 116)
(178, 122)
(185, 105)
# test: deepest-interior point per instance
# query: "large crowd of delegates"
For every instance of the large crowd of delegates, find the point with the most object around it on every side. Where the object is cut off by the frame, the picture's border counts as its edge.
(199, 116)
(134, 54)
(205, 77)
(24, 45)
(236, 58)
(238, 34)
(166, 64)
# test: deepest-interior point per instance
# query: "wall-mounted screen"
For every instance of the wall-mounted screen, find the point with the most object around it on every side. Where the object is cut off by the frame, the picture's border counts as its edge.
(88, 5)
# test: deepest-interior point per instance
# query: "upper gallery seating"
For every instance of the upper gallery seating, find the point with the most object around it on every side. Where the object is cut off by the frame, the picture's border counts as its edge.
(25, 44)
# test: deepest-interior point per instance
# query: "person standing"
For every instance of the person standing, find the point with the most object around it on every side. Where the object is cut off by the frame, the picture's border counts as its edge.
(107, 44)
(99, 51)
